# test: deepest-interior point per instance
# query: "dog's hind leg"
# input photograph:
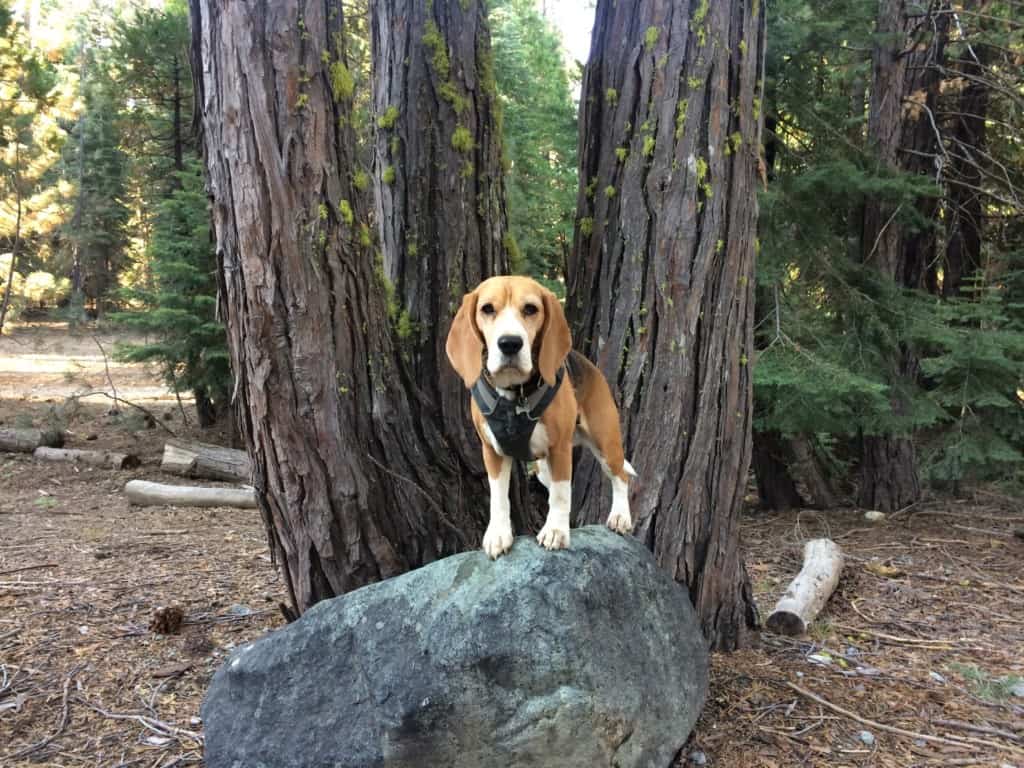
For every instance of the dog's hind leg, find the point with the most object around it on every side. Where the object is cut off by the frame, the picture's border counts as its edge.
(603, 438)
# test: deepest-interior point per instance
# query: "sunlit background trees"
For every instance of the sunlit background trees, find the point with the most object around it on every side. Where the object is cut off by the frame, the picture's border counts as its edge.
(889, 338)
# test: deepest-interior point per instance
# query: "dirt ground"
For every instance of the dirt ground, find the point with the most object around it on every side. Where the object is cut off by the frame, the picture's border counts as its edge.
(918, 660)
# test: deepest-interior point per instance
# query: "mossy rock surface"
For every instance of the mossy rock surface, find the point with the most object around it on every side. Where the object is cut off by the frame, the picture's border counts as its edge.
(581, 658)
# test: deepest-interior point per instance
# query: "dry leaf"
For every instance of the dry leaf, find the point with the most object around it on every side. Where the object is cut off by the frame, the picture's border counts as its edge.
(885, 571)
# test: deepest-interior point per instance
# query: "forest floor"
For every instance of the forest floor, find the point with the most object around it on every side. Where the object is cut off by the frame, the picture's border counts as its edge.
(918, 659)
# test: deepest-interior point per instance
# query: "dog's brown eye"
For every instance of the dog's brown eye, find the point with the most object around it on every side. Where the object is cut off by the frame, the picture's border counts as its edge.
(487, 309)
(530, 309)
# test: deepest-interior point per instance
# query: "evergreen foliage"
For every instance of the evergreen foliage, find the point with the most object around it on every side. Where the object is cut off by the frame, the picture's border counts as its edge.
(539, 135)
(173, 294)
(28, 85)
(96, 141)
(829, 325)
(972, 373)
(180, 306)
(96, 231)
(149, 66)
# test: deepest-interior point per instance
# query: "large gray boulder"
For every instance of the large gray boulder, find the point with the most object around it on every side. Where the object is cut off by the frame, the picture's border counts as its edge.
(581, 658)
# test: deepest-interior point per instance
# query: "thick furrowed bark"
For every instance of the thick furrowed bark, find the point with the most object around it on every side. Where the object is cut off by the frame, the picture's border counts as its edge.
(440, 199)
(965, 211)
(661, 278)
(903, 132)
(351, 488)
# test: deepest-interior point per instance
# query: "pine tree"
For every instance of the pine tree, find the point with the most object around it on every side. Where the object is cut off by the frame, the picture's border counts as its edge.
(180, 307)
(148, 63)
(95, 234)
(830, 322)
(26, 85)
(539, 130)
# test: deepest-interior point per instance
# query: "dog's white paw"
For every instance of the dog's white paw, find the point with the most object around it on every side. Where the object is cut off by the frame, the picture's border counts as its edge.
(620, 523)
(553, 537)
(497, 540)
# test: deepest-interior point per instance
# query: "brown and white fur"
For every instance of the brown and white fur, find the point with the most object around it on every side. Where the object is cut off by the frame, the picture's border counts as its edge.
(521, 326)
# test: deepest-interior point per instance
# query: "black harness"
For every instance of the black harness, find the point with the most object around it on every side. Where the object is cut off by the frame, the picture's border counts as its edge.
(512, 421)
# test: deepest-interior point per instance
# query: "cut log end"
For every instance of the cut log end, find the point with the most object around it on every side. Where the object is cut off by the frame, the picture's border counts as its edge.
(785, 623)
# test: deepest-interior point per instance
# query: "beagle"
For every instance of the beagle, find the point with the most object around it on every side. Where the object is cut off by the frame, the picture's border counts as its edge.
(534, 398)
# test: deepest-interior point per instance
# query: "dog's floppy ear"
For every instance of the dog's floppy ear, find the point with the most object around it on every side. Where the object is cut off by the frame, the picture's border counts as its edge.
(464, 345)
(555, 340)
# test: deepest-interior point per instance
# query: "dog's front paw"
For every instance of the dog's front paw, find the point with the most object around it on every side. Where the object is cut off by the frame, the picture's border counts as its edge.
(620, 522)
(497, 540)
(553, 536)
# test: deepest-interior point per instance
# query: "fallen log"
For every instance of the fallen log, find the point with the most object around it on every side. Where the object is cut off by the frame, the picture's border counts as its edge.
(204, 460)
(810, 590)
(104, 459)
(27, 440)
(146, 494)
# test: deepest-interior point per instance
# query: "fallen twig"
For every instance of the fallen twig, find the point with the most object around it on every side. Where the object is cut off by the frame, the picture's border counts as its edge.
(971, 582)
(3, 637)
(979, 729)
(225, 619)
(963, 743)
(106, 368)
(940, 643)
(158, 727)
(28, 568)
(972, 515)
(158, 422)
(985, 531)
(62, 723)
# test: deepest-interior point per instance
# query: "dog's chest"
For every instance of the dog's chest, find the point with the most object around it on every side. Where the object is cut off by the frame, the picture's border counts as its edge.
(538, 441)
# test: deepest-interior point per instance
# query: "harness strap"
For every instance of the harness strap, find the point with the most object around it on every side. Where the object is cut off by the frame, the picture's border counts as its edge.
(512, 421)
(533, 405)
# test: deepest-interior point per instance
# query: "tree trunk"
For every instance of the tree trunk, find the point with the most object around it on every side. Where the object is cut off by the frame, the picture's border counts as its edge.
(206, 410)
(76, 310)
(920, 150)
(902, 131)
(965, 214)
(662, 275)
(888, 473)
(440, 199)
(177, 129)
(352, 483)
(190, 459)
(16, 184)
(808, 468)
(776, 488)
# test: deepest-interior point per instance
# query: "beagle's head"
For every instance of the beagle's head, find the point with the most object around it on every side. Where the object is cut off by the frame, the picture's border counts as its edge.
(511, 326)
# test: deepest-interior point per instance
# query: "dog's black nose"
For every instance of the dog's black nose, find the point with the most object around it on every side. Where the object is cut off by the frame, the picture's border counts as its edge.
(509, 345)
